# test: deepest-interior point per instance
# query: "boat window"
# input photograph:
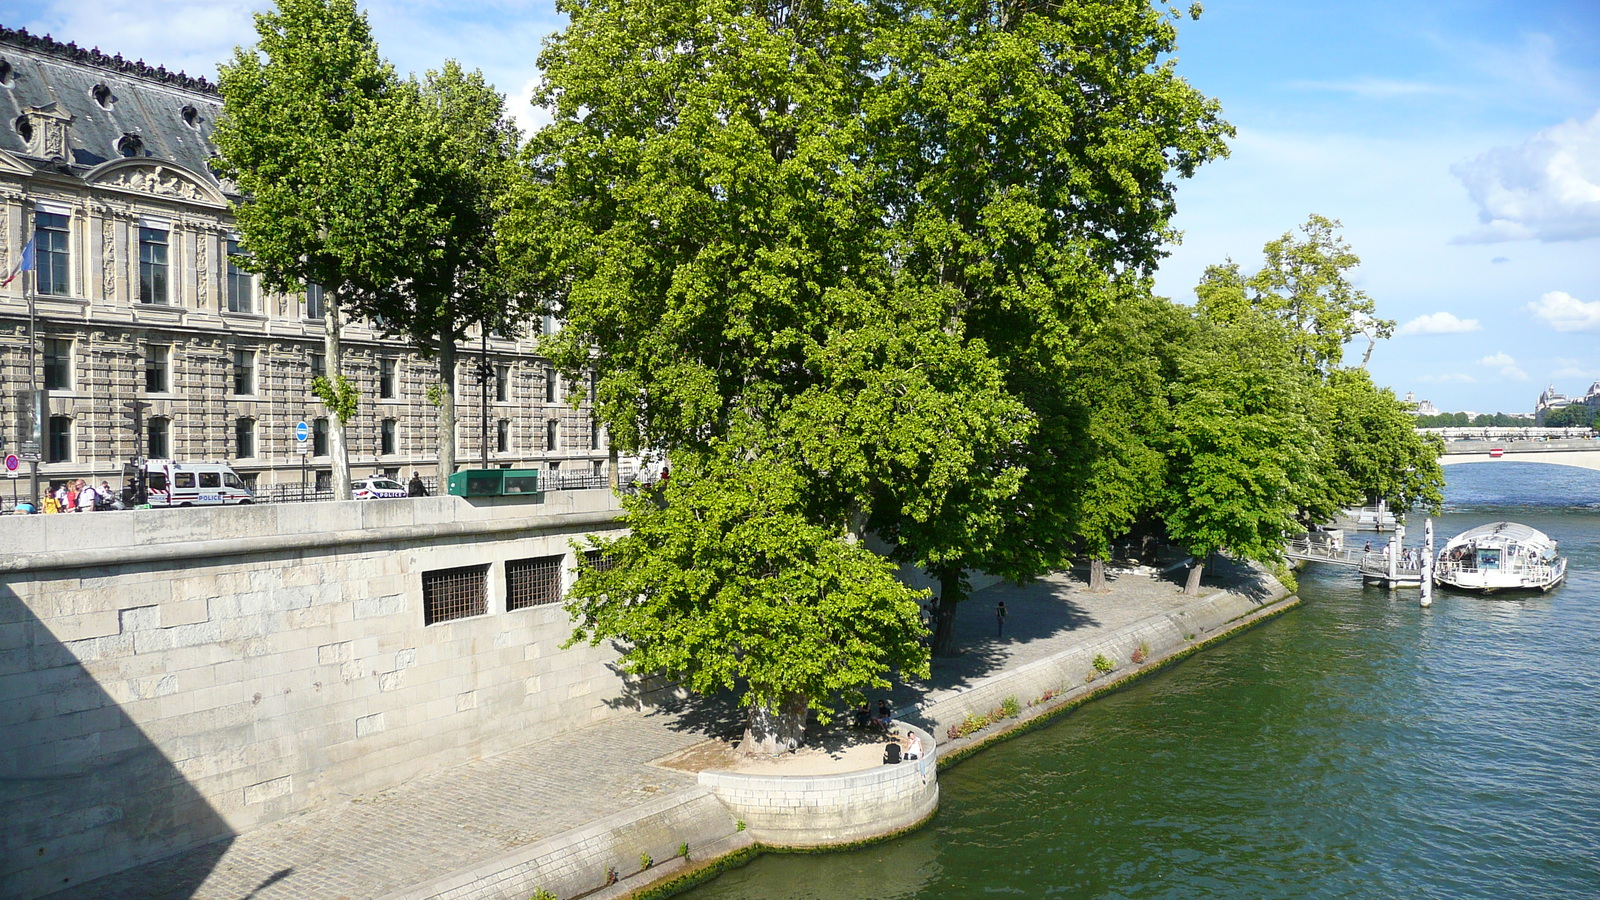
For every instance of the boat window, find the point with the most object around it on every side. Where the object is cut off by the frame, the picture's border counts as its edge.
(1489, 559)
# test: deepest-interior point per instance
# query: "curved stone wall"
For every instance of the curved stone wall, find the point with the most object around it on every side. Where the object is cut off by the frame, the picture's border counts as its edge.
(824, 810)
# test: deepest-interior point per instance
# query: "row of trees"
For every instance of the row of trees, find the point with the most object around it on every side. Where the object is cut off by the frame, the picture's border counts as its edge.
(860, 270)
(1482, 420)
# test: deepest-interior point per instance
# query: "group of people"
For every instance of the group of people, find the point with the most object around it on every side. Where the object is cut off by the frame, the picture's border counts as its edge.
(79, 495)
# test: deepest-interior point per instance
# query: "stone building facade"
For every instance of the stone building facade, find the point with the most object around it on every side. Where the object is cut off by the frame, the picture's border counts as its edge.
(141, 307)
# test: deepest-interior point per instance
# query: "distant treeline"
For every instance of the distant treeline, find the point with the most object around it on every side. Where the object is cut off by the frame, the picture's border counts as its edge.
(1570, 417)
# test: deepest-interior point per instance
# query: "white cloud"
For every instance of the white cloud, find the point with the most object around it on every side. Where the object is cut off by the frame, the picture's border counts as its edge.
(1508, 367)
(1452, 378)
(1574, 369)
(1377, 88)
(1564, 312)
(1547, 188)
(1438, 323)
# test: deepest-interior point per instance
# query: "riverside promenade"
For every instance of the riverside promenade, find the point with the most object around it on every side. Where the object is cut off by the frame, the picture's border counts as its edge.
(446, 834)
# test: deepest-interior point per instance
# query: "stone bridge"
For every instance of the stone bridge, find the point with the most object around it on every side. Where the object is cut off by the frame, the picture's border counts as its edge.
(1581, 453)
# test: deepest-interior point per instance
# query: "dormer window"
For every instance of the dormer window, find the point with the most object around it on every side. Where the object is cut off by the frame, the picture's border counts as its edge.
(24, 128)
(102, 96)
(130, 145)
(6, 72)
(191, 116)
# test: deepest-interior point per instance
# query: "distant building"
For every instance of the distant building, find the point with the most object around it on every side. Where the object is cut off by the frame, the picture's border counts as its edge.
(105, 164)
(1551, 400)
(1421, 407)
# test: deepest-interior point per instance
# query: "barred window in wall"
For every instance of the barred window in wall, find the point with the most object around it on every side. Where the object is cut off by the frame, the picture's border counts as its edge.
(51, 256)
(533, 582)
(153, 286)
(599, 560)
(241, 285)
(454, 594)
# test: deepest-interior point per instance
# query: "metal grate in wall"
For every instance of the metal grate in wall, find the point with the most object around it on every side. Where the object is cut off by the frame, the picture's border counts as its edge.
(532, 582)
(599, 560)
(454, 593)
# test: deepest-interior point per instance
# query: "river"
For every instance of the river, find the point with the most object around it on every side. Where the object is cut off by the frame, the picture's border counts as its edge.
(1359, 746)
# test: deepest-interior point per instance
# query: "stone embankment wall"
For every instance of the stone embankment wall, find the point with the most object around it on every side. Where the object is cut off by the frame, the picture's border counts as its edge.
(826, 810)
(169, 678)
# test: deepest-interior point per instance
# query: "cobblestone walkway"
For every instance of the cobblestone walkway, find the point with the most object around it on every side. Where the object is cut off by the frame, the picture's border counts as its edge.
(449, 820)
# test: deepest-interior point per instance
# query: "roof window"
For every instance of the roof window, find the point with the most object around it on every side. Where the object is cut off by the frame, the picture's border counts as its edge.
(191, 116)
(102, 95)
(130, 144)
(24, 128)
(6, 72)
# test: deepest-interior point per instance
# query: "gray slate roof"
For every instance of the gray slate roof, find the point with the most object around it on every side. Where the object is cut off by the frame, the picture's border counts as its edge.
(139, 100)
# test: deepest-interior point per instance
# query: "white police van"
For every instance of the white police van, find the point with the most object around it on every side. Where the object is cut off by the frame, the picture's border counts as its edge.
(171, 483)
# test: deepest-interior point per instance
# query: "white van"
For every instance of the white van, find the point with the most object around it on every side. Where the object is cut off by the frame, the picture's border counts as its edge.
(172, 483)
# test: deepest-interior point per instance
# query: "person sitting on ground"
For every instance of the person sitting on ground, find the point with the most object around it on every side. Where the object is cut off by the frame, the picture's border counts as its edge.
(885, 715)
(914, 747)
(863, 717)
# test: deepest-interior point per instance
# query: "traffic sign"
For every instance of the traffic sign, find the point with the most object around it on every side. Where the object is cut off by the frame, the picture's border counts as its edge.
(12, 465)
(302, 431)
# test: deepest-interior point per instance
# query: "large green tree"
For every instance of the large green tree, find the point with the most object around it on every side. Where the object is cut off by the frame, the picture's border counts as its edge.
(854, 243)
(1374, 444)
(296, 107)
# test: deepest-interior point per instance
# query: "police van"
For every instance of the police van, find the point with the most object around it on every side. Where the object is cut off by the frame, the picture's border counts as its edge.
(171, 483)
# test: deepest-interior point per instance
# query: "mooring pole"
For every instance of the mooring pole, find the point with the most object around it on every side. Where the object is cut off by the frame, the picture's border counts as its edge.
(1427, 565)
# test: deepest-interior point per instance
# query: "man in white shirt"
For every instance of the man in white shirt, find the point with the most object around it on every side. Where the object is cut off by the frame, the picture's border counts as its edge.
(86, 495)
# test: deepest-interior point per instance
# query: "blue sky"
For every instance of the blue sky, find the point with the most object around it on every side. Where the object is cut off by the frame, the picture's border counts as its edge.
(1457, 140)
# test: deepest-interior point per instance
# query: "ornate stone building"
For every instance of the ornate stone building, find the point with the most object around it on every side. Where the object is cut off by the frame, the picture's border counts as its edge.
(141, 307)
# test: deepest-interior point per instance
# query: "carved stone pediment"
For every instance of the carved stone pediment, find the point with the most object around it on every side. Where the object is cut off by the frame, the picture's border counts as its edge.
(156, 179)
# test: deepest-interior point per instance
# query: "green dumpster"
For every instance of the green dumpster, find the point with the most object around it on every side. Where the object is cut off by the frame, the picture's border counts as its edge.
(494, 482)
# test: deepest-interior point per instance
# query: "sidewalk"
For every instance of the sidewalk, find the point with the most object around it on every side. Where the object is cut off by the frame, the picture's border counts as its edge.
(368, 847)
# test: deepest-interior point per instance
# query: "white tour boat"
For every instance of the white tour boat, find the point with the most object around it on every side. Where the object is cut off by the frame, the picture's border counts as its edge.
(1500, 556)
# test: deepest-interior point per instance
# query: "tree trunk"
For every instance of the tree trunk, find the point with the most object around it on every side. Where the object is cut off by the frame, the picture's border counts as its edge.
(952, 591)
(1097, 575)
(447, 411)
(1196, 567)
(338, 451)
(776, 732)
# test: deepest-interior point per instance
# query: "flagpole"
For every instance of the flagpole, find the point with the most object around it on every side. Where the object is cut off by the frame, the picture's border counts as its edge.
(28, 279)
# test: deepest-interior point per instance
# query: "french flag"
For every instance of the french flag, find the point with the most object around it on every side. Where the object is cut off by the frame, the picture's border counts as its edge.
(23, 265)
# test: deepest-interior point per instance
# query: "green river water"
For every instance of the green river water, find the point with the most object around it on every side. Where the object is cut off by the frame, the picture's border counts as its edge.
(1359, 746)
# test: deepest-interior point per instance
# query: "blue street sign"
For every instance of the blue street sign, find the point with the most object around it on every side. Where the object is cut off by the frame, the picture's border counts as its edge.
(302, 431)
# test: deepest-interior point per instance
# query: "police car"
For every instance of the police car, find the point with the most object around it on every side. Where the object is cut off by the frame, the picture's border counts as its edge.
(377, 488)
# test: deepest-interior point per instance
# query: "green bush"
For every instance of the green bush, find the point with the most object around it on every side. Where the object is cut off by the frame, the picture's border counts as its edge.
(1010, 707)
(1102, 664)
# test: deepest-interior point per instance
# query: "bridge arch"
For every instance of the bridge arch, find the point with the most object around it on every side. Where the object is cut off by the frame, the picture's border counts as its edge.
(1579, 453)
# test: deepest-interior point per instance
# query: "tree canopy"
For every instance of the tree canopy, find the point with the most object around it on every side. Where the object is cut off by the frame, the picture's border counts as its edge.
(854, 245)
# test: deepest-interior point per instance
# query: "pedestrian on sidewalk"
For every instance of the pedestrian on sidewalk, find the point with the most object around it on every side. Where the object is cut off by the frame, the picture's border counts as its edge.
(1000, 619)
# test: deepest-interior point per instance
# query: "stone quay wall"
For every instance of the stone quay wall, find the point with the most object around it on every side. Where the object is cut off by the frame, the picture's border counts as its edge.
(826, 810)
(170, 678)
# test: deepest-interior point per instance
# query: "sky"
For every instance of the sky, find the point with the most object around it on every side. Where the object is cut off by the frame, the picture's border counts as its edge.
(1458, 141)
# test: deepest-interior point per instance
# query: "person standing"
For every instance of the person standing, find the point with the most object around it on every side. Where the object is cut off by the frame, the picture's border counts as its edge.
(416, 488)
(1000, 619)
(86, 496)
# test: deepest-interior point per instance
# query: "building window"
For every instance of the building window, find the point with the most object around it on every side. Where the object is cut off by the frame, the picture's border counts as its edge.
(502, 383)
(502, 436)
(57, 364)
(244, 372)
(59, 447)
(550, 389)
(157, 360)
(599, 560)
(158, 439)
(532, 582)
(454, 594)
(51, 256)
(594, 435)
(153, 266)
(241, 284)
(319, 366)
(244, 439)
(594, 387)
(386, 387)
(319, 437)
(552, 430)
(314, 305)
(386, 441)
